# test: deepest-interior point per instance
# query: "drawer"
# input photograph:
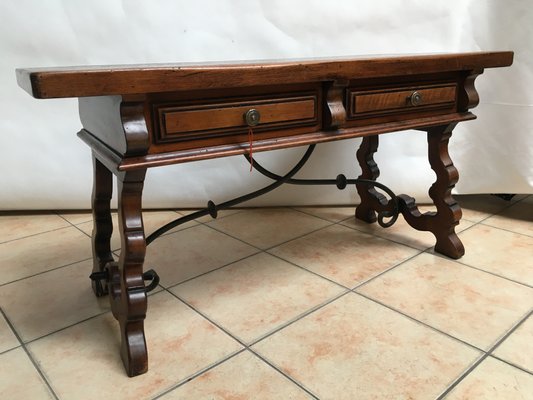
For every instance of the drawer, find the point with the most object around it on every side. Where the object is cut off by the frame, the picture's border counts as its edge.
(215, 119)
(393, 100)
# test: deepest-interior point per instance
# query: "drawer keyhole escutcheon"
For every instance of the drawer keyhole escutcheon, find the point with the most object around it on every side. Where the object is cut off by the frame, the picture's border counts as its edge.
(415, 99)
(252, 117)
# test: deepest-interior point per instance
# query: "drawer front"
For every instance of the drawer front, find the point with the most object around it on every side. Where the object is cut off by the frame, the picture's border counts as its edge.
(393, 100)
(186, 122)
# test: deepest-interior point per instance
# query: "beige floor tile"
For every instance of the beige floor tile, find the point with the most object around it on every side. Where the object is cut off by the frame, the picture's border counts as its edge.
(47, 302)
(466, 303)
(191, 252)
(333, 214)
(18, 226)
(343, 255)
(401, 232)
(265, 228)
(24, 257)
(19, 380)
(354, 348)
(477, 207)
(254, 296)
(77, 217)
(517, 218)
(152, 221)
(8, 340)
(494, 380)
(240, 378)
(518, 347)
(208, 218)
(80, 359)
(504, 253)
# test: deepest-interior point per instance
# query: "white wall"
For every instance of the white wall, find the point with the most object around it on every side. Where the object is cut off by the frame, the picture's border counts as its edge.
(43, 165)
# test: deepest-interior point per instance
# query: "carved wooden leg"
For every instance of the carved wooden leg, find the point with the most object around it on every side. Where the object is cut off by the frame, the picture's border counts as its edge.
(371, 199)
(442, 223)
(127, 290)
(102, 223)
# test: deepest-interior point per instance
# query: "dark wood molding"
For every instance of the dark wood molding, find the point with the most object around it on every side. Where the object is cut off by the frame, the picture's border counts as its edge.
(117, 122)
(335, 112)
(179, 156)
(468, 96)
(134, 123)
(133, 79)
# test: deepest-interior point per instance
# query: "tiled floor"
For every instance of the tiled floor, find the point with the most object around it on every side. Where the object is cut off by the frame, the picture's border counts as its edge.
(292, 303)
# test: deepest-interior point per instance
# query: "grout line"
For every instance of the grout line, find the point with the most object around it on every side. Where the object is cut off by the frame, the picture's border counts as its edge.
(271, 247)
(237, 211)
(418, 321)
(385, 271)
(12, 328)
(64, 219)
(298, 318)
(36, 234)
(8, 350)
(505, 229)
(388, 239)
(208, 272)
(325, 219)
(505, 207)
(300, 385)
(99, 314)
(308, 270)
(330, 224)
(482, 270)
(515, 327)
(44, 272)
(241, 342)
(236, 338)
(198, 373)
(68, 326)
(459, 379)
(30, 356)
(85, 233)
(512, 365)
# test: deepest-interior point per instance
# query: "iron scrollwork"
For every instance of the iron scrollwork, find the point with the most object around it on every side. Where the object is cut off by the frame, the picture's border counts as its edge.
(386, 218)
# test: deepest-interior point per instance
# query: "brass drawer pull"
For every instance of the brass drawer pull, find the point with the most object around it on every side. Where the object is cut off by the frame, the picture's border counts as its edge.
(252, 117)
(415, 99)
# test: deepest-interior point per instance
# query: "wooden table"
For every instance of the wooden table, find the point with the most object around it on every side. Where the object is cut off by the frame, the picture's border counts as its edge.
(141, 116)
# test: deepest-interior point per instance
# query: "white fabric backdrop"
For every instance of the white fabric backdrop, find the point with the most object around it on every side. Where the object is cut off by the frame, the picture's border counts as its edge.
(45, 166)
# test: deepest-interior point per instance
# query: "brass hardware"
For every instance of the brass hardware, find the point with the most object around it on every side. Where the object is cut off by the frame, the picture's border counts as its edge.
(415, 99)
(252, 117)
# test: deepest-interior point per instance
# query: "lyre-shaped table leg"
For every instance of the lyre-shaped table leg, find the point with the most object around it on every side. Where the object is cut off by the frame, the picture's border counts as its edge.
(442, 223)
(371, 200)
(128, 293)
(102, 223)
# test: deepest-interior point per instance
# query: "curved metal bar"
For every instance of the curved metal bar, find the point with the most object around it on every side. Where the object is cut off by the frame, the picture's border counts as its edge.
(394, 213)
(341, 181)
(212, 208)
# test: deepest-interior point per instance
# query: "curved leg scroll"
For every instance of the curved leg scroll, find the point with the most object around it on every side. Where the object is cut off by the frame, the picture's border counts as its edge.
(371, 199)
(102, 223)
(128, 294)
(442, 223)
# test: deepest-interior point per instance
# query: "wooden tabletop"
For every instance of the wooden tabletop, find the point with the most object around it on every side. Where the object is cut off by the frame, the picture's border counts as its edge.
(83, 81)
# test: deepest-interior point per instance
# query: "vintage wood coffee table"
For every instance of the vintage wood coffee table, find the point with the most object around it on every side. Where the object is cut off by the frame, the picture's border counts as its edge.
(141, 116)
